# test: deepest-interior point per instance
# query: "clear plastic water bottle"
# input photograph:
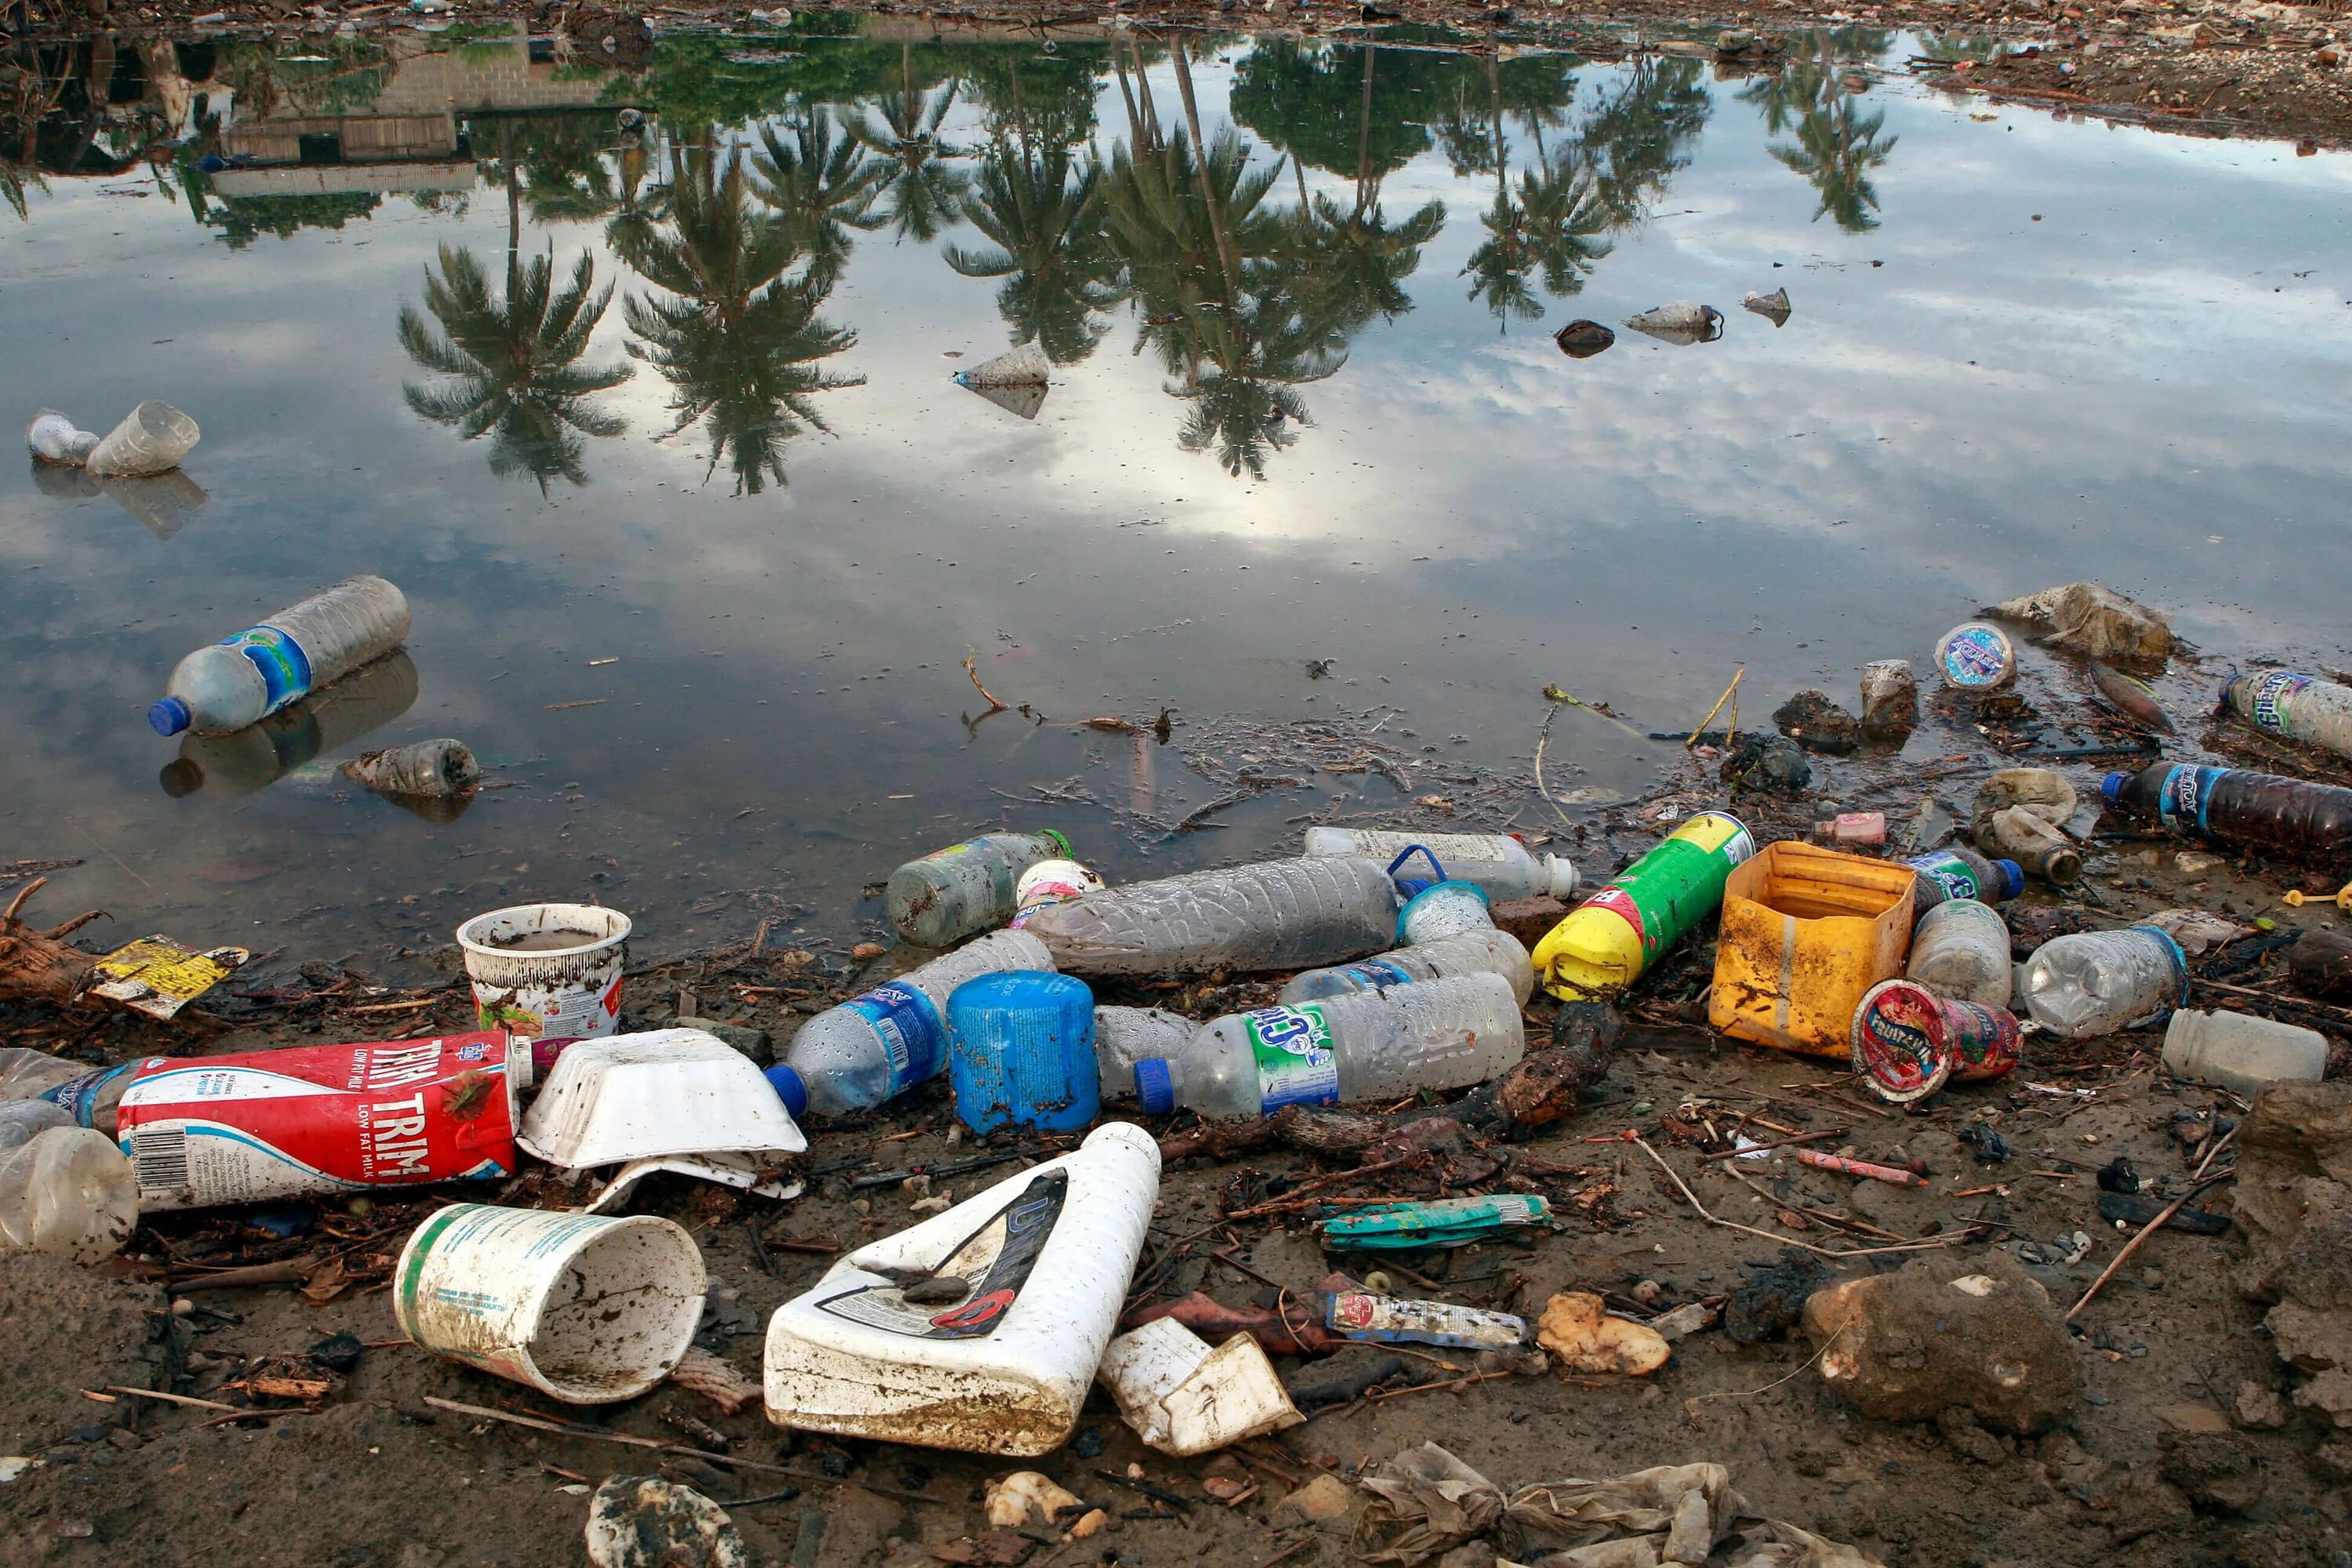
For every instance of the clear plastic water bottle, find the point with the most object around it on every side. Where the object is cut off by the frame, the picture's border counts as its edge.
(242, 680)
(1437, 1034)
(2293, 707)
(1497, 862)
(21, 1119)
(1959, 872)
(2096, 983)
(151, 440)
(1277, 914)
(2241, 1052)
(895, 1037)
(1125, 1036)
(970, 887)
(27, 1074)
(1960, 949)
(68, 1191)
(1485, 951)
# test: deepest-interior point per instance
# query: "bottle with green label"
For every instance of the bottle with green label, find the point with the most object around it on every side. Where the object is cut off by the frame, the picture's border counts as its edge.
(1374, 1045)
(970, 887)
(1607, 941)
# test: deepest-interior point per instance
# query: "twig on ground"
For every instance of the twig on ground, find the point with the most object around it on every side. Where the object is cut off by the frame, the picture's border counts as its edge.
(971, 668)
(1731, 730)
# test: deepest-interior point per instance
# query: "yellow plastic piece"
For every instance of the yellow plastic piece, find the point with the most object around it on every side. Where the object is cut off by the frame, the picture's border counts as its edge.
(1591, 953)
(2341, 899)
(1806, 931)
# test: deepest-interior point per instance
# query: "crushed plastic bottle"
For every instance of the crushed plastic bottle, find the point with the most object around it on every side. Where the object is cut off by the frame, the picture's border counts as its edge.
(242, 680)
(151, 440)
(970, 887)
(2098, 983)
(1484, 950)
(1959, 872)
(68, 1191)
(895, 1037)
(2293, 707)
(1607, 941)
(2023, 835)
(1277, 914)
(1497, 862)
(1437, 1034)
(1682, 322)
(435, 770)
(1960, 949)
(1125, 1036)
(2241, 1052)
(53, 438)
(2237, 805)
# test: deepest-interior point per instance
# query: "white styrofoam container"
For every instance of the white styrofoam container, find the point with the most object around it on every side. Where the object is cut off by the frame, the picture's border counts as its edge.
(643, 1096)
(1183, 1398)
(1046, 1255)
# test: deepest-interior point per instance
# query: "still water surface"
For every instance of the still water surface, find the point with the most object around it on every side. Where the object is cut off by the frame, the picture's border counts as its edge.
(656, 429)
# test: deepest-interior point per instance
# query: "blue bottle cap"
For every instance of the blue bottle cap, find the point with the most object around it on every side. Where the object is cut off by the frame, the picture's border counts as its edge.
(2012, 876)
(1155, 1089)
(169, 716)
(2111, 788)
(790, 1090)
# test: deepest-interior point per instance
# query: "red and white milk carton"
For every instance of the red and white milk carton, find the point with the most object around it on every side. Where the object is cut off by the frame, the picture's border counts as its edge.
(321, 1119)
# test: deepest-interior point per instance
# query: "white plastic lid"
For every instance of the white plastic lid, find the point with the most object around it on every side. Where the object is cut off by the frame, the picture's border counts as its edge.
(1563, 877)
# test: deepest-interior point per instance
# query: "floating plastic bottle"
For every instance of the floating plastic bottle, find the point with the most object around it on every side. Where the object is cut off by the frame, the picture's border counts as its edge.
(970, 887)
(54, 439)
(68, 1191)
(1125, 1036)
(1976, 658)
(2293, 707)
(1607, 941)
(1485, 951)
(2236, 806)
(1047, 883)
(151, 440)
(1497, 862)
(2096, 983)
(2026, 837)
(259, 755)
(242, 680)
(2241, 1052)
(1960, 949)
(1437, 1034)
(1021, 1052)
(1959, 872)
(895, 1037)
(1277, 914)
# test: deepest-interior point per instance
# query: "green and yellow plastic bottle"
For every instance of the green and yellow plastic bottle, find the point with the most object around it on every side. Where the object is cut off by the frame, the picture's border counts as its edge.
(1607, 942)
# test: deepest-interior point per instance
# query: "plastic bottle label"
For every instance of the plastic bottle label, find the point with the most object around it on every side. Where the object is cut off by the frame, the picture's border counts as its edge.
(1666, 870)
(1975, 656)
(995, 1262)
(1293, 1049)
(912, 1035)
(78, 1096)
(285, 667)
(2274, 701)
(1377, 972)
(2187, 794)
(1714, 832)
(1948, 872)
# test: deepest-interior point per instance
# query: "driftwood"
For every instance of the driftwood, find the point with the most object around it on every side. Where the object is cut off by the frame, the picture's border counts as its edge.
(38, 965)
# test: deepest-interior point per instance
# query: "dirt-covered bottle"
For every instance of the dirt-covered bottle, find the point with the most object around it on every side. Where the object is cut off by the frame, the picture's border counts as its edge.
(1959, 872)
(2096, 983)
(1607, 941)
(970, 887)
(2237, 805)
(1277, 914)
(2293, 707)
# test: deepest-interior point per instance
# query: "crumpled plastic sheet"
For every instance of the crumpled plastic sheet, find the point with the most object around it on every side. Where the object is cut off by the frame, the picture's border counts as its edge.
(1426, 1500)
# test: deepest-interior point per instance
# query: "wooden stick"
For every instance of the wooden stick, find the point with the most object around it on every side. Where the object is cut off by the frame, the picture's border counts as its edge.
(1289, 1551)
(1929, 1244)
(1373, 1396)
(170, 1398)
(391, 1007)
(1286, 1201)
(971, 668)
(1737, 676)
(597, 1435)
(1778, 1144)
(2174, 1207)
(291, 1272)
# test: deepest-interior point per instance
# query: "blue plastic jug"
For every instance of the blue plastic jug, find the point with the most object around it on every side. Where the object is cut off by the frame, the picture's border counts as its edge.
(1021, 1051)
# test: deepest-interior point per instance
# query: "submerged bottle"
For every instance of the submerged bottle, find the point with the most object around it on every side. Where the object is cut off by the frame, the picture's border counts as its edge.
(1959, 872)
(1125, 1036)
(2095, 982)
(1277, 914)
(1960, 950)
(1438, 1033)
(894, 1036)
(951, 894)
(1485, 951)
(2293, 707)
(1497, 862)
(2241, 1052)
(2027, 838)
(1607, 941)
(242, 680)
(2236, 806)
(68, 1191)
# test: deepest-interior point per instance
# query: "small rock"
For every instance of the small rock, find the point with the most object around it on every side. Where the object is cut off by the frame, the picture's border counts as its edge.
(1767, 762)
(1815, 722)
(1323, 1500)
(1025, 1495)
(1090, 1523)
(866, 950)
(645, 1521)
(1976, 1333)
(1650, 1293)
(938, 1204)
(2259, 1407)
(2195, 1418)
(1682, 1321)
(1769, 1305)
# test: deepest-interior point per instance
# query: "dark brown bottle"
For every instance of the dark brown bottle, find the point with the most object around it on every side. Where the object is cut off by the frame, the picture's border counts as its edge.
(2237, 805)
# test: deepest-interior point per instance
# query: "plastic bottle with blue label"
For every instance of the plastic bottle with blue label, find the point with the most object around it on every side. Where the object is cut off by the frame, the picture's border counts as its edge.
(1976, 658)
(895, 1037)
(2302, 708)
(1374, 1045)
(243, 679)
(1957, 872)
(2237, 805)
(1484, 950)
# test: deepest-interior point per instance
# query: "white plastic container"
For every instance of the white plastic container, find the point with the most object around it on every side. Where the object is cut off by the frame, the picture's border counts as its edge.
(587, 1308)
(1484, 950)
(68, 1191)
(1125, 1036)
(2241, 1052)
(1277, 914)
(1183, 1398)
(1960, 949)
(666, 1091)
(1436, 1034)
(1046, 1258)
(1497, 862)
(542, 993)
(151, 440)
